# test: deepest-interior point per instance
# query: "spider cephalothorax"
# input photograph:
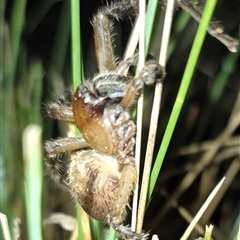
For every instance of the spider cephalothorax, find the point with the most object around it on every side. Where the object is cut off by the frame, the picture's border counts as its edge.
(103, 177)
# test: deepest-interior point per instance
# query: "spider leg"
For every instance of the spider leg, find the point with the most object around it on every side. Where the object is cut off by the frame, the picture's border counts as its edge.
(123, 66)
(59, 112)
(214, 28)
(118, 212)
(152, 72)
(61, 108)
(53, 148)
(56, 166)
(102, 27)
(58, 171)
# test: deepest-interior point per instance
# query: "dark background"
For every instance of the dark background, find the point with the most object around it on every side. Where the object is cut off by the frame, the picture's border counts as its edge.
(201, 118)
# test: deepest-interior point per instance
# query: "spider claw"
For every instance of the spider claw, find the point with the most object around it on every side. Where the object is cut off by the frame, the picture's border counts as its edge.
(126, 233)
(152, 72)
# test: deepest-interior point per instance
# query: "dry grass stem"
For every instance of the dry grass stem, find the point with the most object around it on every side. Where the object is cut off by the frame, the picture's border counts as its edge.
(85, 224)
(202, 210)
(5, 227)
(187, 216)
(214, 28)
(229, 177)
(206, 158)
(74, 234)
(141, 32)
(133, 40)
(205, 146)
(154, 117)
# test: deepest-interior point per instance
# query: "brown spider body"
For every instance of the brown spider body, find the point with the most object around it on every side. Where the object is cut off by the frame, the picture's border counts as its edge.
(107, 128)
(103, 178)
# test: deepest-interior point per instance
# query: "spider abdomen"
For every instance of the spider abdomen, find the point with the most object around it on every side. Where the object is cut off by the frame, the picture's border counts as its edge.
(94, 179)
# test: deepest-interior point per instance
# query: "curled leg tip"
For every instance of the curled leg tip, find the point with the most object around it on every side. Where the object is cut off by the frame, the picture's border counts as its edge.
(125, 232)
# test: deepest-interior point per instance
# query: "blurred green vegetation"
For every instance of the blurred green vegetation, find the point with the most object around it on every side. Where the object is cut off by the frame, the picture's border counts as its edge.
(35, 66)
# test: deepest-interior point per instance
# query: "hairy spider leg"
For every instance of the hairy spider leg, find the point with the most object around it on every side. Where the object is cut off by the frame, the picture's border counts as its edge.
(214, 28)
(54, 148)
(53, 152)
(61, 109)
(102, 26)
(123, 67)
(151, 73)
(126, 186)
(58, 171)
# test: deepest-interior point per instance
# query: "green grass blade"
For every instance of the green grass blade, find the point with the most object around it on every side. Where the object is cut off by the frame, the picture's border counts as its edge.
(77, 77)
(16, 29)
(76, 73)
(194, 54)
(32, 155)
(80, 227)
(229, 65)
(181, 23)
(77, 64)
(96, 229)
(61, 39)
(112, 234)
(150, 17)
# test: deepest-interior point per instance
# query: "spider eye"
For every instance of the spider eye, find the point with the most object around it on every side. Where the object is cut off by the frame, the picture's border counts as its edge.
(84, 89)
